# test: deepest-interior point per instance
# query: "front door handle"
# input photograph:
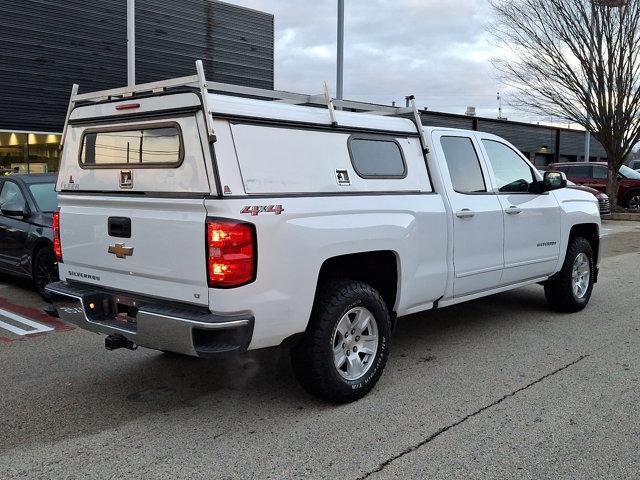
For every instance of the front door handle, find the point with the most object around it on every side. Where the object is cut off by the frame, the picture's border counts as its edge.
(514, 210)
(465, 213)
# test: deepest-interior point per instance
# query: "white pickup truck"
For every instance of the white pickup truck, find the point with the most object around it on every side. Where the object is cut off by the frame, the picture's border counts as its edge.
(203, 218)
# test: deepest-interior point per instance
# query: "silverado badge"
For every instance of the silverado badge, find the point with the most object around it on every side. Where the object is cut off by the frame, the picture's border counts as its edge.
(120, 251)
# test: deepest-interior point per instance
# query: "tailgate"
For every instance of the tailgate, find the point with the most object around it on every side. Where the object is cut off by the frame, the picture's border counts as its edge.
(149, 246)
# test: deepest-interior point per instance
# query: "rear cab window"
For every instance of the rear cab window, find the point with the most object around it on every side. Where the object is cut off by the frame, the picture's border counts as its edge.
(45, 196)
(464, 165)
(132, 147)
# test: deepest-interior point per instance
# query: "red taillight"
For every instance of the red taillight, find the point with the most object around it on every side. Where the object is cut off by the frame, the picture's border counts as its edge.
(231, 253)
(57, 246)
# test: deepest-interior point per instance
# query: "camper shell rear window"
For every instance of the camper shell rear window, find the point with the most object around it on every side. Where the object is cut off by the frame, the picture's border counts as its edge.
(133, 146)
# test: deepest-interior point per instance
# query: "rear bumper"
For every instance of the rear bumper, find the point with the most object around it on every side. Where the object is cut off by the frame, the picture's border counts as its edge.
(151, 323)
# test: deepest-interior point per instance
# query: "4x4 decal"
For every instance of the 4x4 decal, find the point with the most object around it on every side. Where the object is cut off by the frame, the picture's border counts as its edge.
(257, 210)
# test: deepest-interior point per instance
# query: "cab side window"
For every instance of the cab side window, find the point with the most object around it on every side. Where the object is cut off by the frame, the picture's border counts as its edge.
(512, 173)
(600, 173)
(464, 165)
(577, 171)
(11, 195)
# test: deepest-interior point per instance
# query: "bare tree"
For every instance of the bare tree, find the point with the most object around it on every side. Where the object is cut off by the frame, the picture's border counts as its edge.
(578, 60)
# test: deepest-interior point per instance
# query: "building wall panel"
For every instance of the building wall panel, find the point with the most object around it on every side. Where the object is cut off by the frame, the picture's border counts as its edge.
(47, 45)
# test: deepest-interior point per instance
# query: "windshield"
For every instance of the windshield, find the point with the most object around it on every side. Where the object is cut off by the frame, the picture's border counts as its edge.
(45, 196)
(626, 172)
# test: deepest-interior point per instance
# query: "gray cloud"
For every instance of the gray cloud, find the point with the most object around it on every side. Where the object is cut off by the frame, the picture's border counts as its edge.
(435, 49)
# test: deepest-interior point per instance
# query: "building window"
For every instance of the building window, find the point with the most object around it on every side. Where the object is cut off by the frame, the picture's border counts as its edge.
(374, 157)
(29, 152)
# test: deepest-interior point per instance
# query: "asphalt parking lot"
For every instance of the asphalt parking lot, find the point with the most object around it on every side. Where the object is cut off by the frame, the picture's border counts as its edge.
(497, 388)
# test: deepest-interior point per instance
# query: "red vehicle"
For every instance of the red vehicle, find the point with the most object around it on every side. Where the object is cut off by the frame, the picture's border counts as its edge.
(594, 175)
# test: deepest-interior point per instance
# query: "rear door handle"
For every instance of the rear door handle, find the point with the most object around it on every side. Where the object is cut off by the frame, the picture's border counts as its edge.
(514, 210)
(465, 213)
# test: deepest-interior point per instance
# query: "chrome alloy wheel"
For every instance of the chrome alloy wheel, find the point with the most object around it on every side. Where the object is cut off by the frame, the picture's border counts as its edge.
(634, 202)
(581, 276)
(355, 343)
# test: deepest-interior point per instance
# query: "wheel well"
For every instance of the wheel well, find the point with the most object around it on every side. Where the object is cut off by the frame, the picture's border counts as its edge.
(633, 191)
(591, 233)
(378, 269)
(40, 244)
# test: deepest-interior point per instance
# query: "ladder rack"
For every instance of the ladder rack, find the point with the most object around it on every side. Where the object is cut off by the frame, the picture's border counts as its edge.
(200, 83)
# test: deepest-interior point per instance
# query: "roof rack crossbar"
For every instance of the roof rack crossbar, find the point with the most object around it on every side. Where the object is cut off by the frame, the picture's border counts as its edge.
(191, 81)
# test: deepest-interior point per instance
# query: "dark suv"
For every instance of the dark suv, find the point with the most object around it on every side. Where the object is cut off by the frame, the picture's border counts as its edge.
(27, 203)
(595, 175)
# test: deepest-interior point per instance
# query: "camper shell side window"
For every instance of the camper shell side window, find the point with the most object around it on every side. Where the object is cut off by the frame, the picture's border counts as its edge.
(377, 157)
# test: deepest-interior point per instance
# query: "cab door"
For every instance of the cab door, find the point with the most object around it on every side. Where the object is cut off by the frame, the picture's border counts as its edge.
(14, 230)
(531, 220)
(478, 229)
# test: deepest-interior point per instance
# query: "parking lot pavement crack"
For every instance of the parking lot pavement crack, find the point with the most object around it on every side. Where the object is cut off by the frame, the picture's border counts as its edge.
(435, 435)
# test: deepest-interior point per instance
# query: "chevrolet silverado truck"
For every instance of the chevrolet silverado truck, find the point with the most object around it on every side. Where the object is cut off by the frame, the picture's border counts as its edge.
(203, 219)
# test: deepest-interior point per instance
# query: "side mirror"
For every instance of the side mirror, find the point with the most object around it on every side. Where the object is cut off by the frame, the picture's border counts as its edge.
(14, 209)
(554, 181)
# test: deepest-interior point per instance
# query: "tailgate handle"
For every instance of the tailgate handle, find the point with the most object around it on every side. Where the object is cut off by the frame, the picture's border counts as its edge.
(120, 227)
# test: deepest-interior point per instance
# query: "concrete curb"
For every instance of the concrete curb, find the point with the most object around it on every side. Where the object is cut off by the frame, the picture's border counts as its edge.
(626, 217)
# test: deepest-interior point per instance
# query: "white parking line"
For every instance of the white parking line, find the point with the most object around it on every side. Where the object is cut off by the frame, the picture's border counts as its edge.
(35, 326)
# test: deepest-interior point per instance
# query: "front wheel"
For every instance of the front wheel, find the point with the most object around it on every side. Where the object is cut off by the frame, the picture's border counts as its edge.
(346, 345)
(45, 270)
(570, 290)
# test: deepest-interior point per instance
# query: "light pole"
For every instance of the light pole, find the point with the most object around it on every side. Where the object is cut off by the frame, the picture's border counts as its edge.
(131, 42)
(594, 4)
(340, 56)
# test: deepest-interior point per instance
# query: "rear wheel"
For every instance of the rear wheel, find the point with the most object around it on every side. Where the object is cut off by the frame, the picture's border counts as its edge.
(346, 346)
(632, 200)
(570, 290)
(45, 270)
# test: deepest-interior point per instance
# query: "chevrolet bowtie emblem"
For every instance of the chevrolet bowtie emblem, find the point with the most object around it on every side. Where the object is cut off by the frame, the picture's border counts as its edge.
(120, 251)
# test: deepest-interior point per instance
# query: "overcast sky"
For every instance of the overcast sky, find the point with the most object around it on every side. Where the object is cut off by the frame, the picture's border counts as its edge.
(438, 50)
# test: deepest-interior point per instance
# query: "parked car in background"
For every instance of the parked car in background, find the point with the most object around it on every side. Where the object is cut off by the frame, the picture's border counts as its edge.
(603, 200)
(27, 203)
(595, 175)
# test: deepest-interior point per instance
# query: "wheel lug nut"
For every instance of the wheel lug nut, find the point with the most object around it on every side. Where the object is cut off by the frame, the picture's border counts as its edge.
(357, 339)
(348, 352)
(355, 349)
(353, 331)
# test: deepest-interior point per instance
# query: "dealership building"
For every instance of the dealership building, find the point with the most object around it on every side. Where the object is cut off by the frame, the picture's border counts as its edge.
(85, 42)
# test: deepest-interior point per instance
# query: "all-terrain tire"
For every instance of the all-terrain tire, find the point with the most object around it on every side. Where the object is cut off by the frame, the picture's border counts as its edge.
(313, 358)
(559, 291)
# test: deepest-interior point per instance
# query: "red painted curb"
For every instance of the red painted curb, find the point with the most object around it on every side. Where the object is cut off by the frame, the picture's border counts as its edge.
(32, 314)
